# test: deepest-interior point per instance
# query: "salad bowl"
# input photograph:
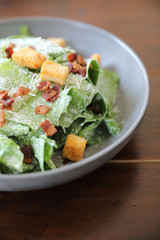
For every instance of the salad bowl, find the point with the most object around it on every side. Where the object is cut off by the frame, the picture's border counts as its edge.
(130, 106)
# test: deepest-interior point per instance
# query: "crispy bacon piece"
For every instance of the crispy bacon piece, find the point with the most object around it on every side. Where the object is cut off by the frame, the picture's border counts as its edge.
(9, 108)
(43, 85)
(6, 101)
(21, 91)
(80, 69)
(49, 94)
(3, 94)
(11, 45)
(32, 47)
(56, 88)
(70, 67)
(42, 109)
(2, 116)
(72, 57)
(28, 154)
(48, 128)
(9, 51)
(54, 98)
(80, 60)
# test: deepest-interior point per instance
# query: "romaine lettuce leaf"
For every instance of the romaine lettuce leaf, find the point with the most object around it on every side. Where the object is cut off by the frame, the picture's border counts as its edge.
(78, 82)
(11, 157)
(12, 76)
(43, 150)
(93, 70)
(98, 135)
(88, 130)
(108, 84)
(76, 106)
(112, 126)
(24, 30)
(24, 110)
(42, 146)
(13, 129)
(2, 52)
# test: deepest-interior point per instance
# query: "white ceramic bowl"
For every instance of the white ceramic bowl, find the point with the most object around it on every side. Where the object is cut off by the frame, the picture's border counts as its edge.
(132, 101)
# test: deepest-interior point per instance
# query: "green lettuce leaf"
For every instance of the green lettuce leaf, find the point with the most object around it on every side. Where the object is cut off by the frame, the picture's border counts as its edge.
(108, 84)
(43, 147)
(88, 130)
(93, 71)
(76, 106)
(43, 150)
(2, 52)
(12, 76)
(24, 30)
(24, 110)
(98, 135)
(11, 157)
(13, 129)
(112, 126)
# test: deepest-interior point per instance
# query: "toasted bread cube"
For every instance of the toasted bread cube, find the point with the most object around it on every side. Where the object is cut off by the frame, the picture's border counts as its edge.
(57, 41)
(97, 57)
(74, 147)
(51, 71)
(28, 57)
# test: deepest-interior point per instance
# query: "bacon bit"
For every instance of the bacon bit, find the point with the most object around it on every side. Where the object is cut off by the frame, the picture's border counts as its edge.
(43, 85)
(28, 154)
(7, 101)
(2, 116)
(76, 66)
(56, 88)
(49, 94)
(32, 47)
(48, 128)
(21, 91)
(11, 45)
(9, 51)
(3, 94)
(42, 109)
(70, 67)
(80, 60)
(54, 98)
(80, 69)
(1, 106)
(9, 108)
(72, 57)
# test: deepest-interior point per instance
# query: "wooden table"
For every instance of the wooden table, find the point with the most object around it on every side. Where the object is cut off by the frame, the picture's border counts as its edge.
(121, 200)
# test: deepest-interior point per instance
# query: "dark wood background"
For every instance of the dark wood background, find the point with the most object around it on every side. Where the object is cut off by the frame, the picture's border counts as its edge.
(120, 200)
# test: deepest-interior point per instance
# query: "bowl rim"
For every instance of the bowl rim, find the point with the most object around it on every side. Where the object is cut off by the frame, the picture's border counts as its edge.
(119, 141)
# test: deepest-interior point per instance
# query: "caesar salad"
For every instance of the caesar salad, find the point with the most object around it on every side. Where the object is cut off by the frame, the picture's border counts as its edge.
(51, 98)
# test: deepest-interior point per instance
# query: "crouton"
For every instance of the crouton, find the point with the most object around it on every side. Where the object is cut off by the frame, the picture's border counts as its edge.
(57, 41)
(51, 71)
(97, 57)
(28, 57)
(74, 147)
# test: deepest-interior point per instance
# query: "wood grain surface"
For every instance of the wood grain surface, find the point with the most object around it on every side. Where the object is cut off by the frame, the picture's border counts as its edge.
(121, 200)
